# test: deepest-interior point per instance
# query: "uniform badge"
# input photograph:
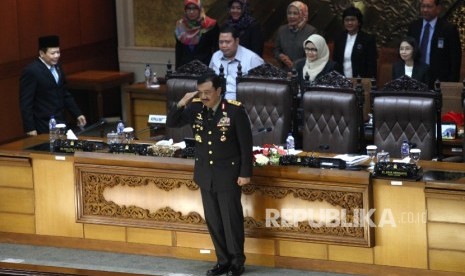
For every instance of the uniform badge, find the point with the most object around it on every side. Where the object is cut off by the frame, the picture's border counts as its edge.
(224, 122)
(198, 138)
(223, 138)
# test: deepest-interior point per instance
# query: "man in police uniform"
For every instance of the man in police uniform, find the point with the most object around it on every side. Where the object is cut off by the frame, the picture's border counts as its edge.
(223, 163)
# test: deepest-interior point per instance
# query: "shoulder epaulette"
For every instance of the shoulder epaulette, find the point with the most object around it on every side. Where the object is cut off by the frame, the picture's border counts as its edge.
(196, 100)
(233, 102)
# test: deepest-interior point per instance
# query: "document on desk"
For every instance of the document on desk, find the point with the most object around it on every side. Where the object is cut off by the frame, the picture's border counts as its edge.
(352, 159)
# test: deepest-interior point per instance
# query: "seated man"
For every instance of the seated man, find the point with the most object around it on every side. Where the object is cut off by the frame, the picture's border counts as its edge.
(230, 55)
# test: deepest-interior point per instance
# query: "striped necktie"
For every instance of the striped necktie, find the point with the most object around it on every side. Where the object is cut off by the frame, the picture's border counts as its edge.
(54, 73)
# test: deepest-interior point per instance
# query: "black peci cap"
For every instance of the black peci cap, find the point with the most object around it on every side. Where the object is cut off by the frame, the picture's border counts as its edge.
(50, 41)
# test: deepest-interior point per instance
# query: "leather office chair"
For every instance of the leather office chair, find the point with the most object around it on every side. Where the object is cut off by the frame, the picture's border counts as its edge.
(267, 95)
(178, 83)
(404, 109)
(333, 115)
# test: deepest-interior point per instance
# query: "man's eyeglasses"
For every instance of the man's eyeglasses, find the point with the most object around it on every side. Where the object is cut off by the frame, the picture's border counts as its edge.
(312, 50)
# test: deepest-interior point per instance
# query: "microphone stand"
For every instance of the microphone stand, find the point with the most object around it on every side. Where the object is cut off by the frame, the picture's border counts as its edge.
(151, 128)
(91, 127)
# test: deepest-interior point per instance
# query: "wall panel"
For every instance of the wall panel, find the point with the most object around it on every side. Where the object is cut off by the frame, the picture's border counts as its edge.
(29, 27)
(88, 41)
(62, 18)
(94, 26)
(8, 31)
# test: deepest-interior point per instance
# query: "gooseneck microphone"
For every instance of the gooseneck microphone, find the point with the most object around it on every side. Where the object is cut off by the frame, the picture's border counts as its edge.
(150, 128)
(262, 130)
(91, 127)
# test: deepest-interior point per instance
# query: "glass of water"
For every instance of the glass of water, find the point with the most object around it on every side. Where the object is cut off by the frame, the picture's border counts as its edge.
(415, 155)
(371, 152)
(128, 135)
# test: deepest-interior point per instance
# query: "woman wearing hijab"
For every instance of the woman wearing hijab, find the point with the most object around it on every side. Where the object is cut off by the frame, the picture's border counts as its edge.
(249, 30)
(410, 63)
(354, 49)
(317, 62)
(196, 35)
(289, 38)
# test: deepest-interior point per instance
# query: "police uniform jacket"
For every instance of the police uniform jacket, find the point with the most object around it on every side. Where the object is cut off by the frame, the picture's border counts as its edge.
(41, 96)
(223, 149)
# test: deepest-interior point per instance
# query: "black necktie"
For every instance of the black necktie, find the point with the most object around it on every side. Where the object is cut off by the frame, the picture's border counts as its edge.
(210, 114)
(424, 42)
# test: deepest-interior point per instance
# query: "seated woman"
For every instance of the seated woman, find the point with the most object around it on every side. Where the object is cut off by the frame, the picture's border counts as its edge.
(249, 30)
(289, 37)
(196, 35)
(410, 63)
(317, 62)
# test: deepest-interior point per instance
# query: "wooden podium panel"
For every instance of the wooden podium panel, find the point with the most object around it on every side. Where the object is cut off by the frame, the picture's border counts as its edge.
(156, 211)
(158, 192)
(401, 224)
(55, 201)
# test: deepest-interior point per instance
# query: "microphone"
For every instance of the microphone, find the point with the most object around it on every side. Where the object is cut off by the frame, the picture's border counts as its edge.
(91, 127)
(144, 130)
(262, 130)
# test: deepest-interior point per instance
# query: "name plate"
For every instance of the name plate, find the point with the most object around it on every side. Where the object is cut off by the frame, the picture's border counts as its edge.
(71, 146)
(312, 162)
(157, 119)
(397, 170)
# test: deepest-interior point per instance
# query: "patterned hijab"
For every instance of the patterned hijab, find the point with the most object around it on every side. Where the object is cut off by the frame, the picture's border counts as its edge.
(189, 31)
(313, 68)
(303, 14)
(244, 21)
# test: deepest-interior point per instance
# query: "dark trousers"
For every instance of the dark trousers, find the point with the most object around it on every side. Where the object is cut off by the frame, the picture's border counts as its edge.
(225, 222)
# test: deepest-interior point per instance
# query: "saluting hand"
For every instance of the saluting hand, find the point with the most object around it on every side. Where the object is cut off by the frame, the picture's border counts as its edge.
(187, 98)
(241, 181)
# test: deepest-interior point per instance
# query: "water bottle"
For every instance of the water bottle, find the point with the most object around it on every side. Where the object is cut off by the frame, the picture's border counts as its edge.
(404, 149)
(147, 74)
(120, 127)
(290, 142)
(52, 131)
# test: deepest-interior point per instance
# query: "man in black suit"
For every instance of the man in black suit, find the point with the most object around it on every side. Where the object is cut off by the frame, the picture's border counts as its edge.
(223, 163)
(43, 92)
(354, 49)
(441, 50)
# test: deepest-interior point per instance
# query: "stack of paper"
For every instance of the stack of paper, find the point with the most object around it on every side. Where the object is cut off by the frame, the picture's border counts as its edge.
(352, 159)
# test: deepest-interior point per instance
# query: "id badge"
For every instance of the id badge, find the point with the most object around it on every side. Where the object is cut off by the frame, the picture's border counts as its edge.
(440, 42)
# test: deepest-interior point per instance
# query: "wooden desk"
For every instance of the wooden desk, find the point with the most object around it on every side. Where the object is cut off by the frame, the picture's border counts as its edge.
(133, 204)
(140, 102)
(98, 82)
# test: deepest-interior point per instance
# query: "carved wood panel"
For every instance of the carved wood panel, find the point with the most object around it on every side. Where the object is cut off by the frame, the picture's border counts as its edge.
(108, 195)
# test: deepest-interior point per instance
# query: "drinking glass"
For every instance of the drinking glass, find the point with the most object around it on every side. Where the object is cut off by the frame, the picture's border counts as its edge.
(128, 135)
(61, 131)
(371, 151)
(415, 155)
